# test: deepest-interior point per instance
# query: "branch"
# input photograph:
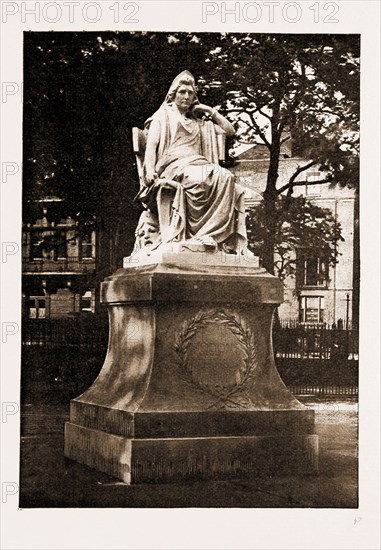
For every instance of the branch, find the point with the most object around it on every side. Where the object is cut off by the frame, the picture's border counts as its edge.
(298, 171)
(247, 124)
(355, 146)
(248, 111)
(249, 95)
(322, 98)
(300, 183)
(260, 133)
(263, 114)
(254, 99)
(301, 169)
(325, 111)
(241, 110)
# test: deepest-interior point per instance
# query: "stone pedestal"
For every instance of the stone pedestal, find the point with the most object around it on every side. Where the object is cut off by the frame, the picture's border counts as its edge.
(189, 387)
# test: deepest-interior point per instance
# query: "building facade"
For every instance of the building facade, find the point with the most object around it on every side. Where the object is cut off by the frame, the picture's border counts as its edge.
(62, 267)
(319, 293)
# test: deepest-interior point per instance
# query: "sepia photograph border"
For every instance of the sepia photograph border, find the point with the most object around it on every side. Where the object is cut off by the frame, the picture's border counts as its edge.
(191, 528)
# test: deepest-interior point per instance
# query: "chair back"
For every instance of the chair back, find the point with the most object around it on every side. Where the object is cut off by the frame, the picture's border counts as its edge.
(139, 142)
(221, 141)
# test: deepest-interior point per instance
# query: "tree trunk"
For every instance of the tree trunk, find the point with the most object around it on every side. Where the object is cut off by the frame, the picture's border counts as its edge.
(270, 197)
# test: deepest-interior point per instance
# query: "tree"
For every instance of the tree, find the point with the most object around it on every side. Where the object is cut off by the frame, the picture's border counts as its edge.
(85, 91)
(300, 227)
(83, 94)
(307, 85)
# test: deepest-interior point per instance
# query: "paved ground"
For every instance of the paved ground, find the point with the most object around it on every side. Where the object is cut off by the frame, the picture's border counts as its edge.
(49, 480)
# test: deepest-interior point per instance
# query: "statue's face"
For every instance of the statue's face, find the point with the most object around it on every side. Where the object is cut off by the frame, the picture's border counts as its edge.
(184, 97)
(147, 231)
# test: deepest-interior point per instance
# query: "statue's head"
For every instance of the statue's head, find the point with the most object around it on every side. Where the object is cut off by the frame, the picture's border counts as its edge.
(184, 84)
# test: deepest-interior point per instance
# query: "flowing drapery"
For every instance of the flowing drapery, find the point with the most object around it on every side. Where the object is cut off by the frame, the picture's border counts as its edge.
(207, 205)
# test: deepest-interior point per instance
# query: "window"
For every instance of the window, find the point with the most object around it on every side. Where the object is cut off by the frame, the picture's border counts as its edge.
(87, 245)
(60, 245)
(87, 301)
(311, 270)
(311, 309)
(49, 245)
(37, 307)
(37, 245)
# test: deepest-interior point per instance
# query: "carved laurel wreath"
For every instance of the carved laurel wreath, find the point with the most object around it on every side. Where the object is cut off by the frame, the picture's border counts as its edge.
(234, 395)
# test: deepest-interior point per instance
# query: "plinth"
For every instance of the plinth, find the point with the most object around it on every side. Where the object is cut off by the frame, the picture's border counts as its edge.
(189, 387)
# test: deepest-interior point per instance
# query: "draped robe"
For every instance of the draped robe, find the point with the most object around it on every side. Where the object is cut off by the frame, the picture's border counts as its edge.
(208, 204)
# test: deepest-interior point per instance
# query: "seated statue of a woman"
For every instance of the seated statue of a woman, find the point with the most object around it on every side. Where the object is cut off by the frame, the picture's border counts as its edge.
(207, 206)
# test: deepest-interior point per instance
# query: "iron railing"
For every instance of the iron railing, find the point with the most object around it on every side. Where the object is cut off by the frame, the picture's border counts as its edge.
(300, 342)
(315, 342)
(81, 332)
(71, 264)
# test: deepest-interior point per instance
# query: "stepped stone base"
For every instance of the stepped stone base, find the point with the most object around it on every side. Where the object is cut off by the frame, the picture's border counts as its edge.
(189, 387)
(174, 459)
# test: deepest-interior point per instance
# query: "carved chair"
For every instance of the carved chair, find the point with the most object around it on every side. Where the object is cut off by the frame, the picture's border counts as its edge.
(147, 195)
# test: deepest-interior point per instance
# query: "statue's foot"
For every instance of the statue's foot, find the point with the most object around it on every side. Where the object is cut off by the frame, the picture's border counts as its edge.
(208, 241)
(228, 249)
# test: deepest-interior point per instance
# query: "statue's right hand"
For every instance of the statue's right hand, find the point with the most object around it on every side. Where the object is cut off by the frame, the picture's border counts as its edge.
(151, 177)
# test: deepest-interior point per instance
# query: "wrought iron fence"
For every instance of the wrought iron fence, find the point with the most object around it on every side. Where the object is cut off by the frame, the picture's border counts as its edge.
(315, 342)
(61, 265)
(310, 360)
(300, 342)
(90, 332)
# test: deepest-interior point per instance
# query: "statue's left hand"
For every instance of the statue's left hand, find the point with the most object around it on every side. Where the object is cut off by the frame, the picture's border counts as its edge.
(202, 109)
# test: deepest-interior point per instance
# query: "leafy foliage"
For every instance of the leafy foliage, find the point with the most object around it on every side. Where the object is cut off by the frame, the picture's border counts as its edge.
(303, 85)
(299, 224)
(306, 84)
(83, 92)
